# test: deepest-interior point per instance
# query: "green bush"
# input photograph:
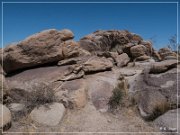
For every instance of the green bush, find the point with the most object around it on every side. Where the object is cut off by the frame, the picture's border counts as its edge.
(116, 98)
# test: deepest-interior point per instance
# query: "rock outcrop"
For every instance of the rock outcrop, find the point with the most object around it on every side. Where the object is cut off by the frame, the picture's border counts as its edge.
(118, 41)
(167, 54)
(52, 79)
(42, 48)
(156, 93)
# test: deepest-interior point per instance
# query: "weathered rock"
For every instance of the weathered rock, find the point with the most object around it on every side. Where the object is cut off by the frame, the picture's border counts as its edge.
(142, 58)
(155, 93)
(71, 76)
(72, 49)
(76, 60)
(149, 47)
(45, 47)
(152, 104)
(168, 121)
(5, 117)
(49, 115)
(138, 50)
(167, 54)
(121, 60)
(156, 56)
(73, 94)
(100, 87)
(110, 40)
(159, 67)
(167, 85)
(95, 64)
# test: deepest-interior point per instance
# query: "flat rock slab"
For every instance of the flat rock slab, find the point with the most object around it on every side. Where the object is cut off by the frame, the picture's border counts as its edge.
(49, 115)
(168, 121)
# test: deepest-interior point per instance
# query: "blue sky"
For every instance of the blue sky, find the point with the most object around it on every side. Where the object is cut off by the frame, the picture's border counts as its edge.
(157, 20)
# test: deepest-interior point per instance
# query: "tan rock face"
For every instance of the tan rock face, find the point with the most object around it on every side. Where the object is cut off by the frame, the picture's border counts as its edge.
(167, 54)
(73, 94)
(121, 60)
(152, 104)
(49, 116)
(45, 47)
(155, 93)
(138, 50)
(95, 64)
(142, 58)
(159, 67)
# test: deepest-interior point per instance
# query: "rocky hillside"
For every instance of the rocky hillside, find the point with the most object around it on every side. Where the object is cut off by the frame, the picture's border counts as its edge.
(108, 81)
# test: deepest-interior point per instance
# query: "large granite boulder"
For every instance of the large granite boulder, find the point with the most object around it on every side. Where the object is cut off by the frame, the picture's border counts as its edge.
(120, 60)
(155, 93)
(167, 54)
(96, 64)
(73, 94)
(49, 115)
(46, 47)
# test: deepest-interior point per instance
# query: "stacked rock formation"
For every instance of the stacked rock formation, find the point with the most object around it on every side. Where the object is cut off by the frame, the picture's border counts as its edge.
(50, 68)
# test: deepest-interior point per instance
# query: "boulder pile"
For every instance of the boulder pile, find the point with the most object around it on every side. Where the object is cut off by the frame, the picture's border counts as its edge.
(49, 75)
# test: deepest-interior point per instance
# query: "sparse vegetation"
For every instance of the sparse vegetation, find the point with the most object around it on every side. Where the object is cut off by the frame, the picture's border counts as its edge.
(116, 98)
(41, 94)
(173, 44)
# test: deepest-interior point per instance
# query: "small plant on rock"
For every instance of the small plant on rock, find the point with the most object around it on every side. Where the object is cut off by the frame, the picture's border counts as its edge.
(116, 98)
(41, 94)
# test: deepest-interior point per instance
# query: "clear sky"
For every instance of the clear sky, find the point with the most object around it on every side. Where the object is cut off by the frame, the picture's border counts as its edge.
(157, 20)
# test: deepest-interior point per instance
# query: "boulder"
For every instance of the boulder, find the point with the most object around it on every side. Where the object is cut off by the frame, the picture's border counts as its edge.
(142, 58)
(121, 60)
(71, 49)
(168, 121)
(138, 50)
(152, 104)
(73, 94)
(49, 114)
(159, 67)
(167, 54)
(154, 97)
(148, 46)
(156, 56)
(108, 40)
(38, 49)
(167, 86)
(5, 117)
(100, 87)
(96, 64)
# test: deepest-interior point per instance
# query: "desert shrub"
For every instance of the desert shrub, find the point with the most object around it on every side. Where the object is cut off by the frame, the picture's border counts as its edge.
(116, 98)
(41, 94)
